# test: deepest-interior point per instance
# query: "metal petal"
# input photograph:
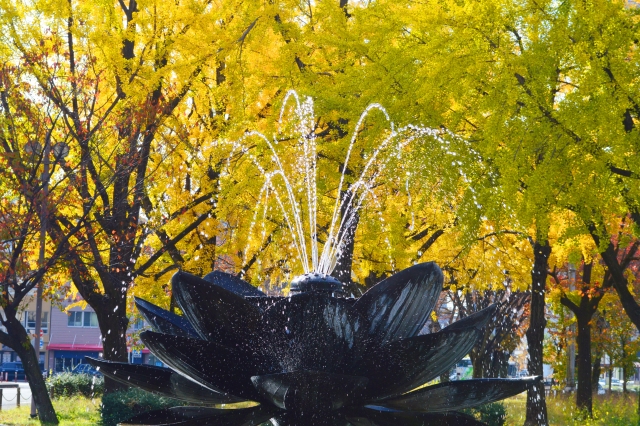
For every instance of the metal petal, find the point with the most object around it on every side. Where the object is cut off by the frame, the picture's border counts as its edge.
(164, 321)
(403, 365)
(399, 306)
(315, 419)
(311, 332)
(264, 302)
(202, 416)
(478, 319)
(162, 381)
(459, 394)
(214, 365)
(216, 314)
(370, 416)
(309, 391)
(233, 284)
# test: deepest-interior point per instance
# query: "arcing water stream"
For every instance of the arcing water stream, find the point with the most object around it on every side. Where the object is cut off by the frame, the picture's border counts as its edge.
(281, 187)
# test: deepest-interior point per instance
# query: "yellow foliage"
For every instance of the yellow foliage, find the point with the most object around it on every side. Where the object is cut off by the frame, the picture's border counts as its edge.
(525, 91)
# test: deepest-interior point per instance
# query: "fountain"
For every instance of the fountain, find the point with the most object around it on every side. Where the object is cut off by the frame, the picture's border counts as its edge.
(314, 356)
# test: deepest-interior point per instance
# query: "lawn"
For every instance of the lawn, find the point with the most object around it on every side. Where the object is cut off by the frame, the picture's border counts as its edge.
(614, 410)
(74, 411)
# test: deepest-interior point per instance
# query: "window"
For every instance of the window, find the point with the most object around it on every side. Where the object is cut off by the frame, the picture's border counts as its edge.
(152, 360)
(82, 319)
(75, 319)
(30, 322)
(90, 319)
(137, 324)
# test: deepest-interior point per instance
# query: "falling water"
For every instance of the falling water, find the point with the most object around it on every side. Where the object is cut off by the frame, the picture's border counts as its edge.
(346, 206)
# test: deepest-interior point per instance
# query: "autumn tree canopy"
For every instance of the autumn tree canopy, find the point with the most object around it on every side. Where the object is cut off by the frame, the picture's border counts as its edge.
(532, 140)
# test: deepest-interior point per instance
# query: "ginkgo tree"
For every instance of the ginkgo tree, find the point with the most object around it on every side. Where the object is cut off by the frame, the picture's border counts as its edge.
(115, 75)
(514, 79)
(142, 92)
(548, 124)
(31, 192)
(160, 104)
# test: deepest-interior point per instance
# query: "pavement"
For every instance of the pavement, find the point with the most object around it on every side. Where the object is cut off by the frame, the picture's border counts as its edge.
(9, 396)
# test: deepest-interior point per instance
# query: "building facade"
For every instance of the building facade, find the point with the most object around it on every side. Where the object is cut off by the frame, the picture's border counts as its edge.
(74, 335)
(70, 332)
(28, 319)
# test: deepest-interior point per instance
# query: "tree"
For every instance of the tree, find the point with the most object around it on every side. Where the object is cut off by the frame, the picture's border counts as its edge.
(527, 93)
(490, 356)
(622, 341)
(583, 305)
(157, 104)
(115, 77)
(26, 204)
(141, 107)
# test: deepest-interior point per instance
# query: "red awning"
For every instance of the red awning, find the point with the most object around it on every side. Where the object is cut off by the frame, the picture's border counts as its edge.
(77, 347)
(73, 347)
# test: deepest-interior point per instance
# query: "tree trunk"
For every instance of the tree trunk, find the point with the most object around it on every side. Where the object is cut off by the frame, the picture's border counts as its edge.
(595, 372)
(599, 353)
(610, 377)
(19, 341)
(113, 323)
(583, 312)
(584, 396)
(624, 380)
(619, 280)
(536, 404)
(500, 365)
(478, 367)
(489, 364)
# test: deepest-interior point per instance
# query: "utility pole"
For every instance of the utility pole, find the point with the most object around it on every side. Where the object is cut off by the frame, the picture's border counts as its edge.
(571, 350)
(60, 150)
(43, 235)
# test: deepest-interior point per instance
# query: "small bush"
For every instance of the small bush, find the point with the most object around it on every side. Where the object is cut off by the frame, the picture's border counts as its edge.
(119, 406)
(67, 384)
(493, 414)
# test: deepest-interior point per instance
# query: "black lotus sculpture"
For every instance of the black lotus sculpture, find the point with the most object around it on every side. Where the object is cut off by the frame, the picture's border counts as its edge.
(313, 358)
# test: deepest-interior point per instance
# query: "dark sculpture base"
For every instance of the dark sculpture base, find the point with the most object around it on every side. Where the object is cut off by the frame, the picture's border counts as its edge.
(311, 358)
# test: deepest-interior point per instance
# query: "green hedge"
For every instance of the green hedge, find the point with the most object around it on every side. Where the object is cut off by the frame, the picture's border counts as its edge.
(493, 414)
(67, 384)
(119, 406)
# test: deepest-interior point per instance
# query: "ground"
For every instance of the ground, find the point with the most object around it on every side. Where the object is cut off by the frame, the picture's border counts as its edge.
(10, 397)
(615, 410)
(75, 411)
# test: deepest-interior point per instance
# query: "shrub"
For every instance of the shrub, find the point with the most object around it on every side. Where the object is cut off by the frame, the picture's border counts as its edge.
(493, 414)
(119, 406)
(67, 384)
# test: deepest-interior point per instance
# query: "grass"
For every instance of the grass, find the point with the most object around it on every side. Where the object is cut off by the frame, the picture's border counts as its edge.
(609, 410)
(72, 411)
(616, 409)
